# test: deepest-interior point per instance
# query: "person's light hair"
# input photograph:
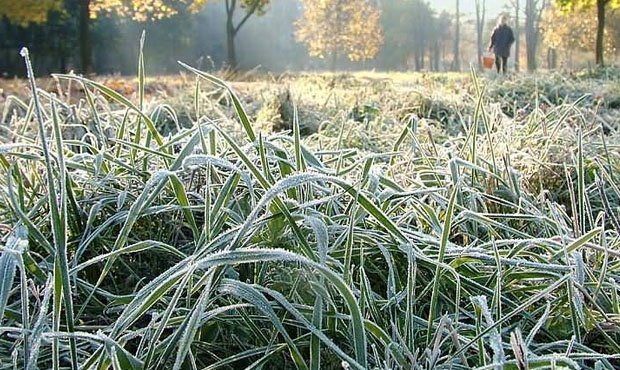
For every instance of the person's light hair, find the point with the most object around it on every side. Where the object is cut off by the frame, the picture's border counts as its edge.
(502, 20)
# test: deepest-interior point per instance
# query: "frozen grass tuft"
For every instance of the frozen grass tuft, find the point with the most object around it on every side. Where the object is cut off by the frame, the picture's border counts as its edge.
(492, 244)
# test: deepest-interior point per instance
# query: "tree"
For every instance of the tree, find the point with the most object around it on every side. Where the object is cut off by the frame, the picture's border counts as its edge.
(480, 15)
(42, 23)
(533, 15)
(409, 34)
(144, 10)
(601, 5)
(614, 30)
(38, 11)
(517, 8)
(331, 28)
(572, 31)
(251, 7)
(423, 32)
(24, 12)
(457, 39)
(86, 51)
(397, 24)
(138, 10)
(442, 25)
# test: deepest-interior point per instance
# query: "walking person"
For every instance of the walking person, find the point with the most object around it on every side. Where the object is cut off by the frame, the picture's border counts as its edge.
(501, 41)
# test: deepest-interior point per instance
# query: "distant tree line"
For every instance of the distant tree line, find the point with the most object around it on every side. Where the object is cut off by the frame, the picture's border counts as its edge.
(101, 36)
(78, 17)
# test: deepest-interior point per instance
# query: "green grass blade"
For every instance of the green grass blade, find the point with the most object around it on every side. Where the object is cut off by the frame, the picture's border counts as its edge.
(445, 236)
(243, 117)
(8, 263)
(251, 295)
(39, 326)
(120, 99)
(264, 255)
(513, 313)
(149, 295)
(57, 203)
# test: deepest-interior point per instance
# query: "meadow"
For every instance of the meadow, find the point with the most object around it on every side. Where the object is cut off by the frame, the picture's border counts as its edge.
(311, 221)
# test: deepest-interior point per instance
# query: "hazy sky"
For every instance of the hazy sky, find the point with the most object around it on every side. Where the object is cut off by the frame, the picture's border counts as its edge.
(468, 7)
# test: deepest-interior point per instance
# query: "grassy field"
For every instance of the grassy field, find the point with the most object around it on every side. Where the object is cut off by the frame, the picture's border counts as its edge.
(370, 220)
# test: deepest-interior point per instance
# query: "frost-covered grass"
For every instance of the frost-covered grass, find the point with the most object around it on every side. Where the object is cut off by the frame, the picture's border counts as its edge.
(411, 229)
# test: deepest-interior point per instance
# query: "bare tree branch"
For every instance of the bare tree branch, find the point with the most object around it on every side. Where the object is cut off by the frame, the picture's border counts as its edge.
(248, 14)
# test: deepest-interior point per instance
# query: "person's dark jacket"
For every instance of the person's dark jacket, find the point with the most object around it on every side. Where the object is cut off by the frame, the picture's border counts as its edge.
(501, 40)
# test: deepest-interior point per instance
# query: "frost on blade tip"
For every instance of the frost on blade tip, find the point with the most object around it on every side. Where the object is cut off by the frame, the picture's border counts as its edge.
(195, 161)
(321, 234)
(580, 268)
(495, 339)
(373, 181)
(40, 325)
(156, 178)
(515, 172)
(17, 242)
(279, 187)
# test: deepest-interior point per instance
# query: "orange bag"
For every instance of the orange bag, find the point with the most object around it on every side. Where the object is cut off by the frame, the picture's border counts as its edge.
(488, 61)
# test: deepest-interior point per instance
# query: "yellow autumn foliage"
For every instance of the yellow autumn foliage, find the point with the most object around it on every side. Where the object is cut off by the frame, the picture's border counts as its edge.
(574, 30)
(37, 11)
(570, 5)
(28, 11)
(138, 10)
(340, 27)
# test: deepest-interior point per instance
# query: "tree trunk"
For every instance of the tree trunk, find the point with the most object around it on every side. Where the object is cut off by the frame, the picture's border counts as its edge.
(531, 34)
(600, 31)
(517, 36)
(480, 13)
(6, 64)
(436, 56)
(418, 36)
(457, 40)
(430, 57)
(63, 63)
(231, 57)
(418, 51)
(552, 58)
(86, 60)
(419, 59)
